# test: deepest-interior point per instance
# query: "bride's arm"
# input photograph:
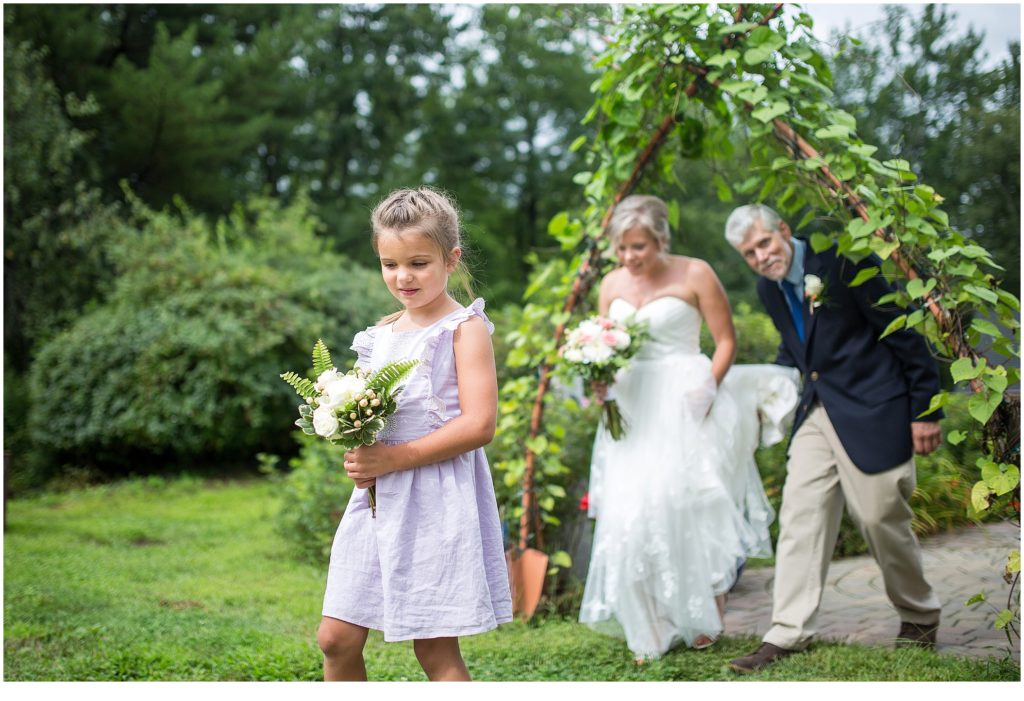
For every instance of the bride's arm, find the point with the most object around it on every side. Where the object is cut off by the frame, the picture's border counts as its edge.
(714, 307)
(604, 296)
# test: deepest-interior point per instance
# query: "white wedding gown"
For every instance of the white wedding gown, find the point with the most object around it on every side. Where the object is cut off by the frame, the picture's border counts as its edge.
(678, 500)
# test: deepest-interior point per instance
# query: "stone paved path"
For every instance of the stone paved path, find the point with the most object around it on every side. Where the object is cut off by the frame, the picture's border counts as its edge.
(854, 607)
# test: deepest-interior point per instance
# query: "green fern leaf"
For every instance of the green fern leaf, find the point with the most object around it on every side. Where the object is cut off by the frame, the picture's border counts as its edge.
(303, 387)
(321, 358)
(387, 378)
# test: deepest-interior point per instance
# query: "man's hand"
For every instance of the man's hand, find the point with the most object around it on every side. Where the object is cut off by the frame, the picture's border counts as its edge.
(927, 435)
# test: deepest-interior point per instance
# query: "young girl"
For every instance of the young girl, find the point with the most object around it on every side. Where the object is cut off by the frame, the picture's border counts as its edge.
(430, 567)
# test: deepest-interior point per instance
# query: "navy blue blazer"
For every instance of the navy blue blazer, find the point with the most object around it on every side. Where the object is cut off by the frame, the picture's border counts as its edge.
(872, 390)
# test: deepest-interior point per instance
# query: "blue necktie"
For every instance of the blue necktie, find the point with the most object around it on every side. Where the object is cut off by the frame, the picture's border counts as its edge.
(795, 308)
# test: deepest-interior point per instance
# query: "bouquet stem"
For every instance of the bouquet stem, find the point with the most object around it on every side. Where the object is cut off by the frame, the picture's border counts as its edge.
(613, 420)
(371, 496)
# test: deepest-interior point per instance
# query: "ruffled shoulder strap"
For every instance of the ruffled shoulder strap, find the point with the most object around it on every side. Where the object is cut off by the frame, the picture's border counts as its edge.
(362, 344)
(438, 366)
(457, 317)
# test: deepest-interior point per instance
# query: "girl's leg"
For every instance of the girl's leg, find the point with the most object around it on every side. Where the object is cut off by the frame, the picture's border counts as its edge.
(342, 644)
(441, 659)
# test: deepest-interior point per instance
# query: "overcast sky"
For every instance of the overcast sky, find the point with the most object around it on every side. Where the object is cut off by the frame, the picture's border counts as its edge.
(1000, 23)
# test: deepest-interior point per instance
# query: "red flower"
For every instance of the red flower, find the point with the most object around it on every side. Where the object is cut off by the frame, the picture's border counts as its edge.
(585, 501)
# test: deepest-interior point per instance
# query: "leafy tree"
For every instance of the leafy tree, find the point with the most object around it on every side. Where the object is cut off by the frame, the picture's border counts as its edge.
(923, 92)
(215, 103)
(54, 223)
(498, 135)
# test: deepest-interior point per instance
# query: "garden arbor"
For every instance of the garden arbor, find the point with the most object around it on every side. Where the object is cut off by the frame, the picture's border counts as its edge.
(693, 81)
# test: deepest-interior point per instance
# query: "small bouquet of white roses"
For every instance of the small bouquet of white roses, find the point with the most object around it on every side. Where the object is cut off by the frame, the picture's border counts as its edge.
(348, 409)
(595, 350)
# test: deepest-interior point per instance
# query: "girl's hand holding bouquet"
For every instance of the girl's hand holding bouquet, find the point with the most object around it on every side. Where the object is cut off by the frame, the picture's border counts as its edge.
(595, 350)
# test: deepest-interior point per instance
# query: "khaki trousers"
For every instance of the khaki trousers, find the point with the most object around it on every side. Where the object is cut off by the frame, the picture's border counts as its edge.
(820, 478)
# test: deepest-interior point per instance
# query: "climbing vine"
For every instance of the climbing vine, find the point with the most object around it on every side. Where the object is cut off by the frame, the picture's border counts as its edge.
(698, 81)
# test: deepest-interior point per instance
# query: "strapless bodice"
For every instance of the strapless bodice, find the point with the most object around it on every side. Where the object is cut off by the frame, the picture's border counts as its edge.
(674, 325)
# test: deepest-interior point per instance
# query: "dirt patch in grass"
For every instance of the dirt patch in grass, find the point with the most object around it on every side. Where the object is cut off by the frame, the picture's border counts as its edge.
(142, 541)
(178, 605)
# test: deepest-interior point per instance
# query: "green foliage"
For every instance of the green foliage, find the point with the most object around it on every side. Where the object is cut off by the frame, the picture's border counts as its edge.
(218, 103)
(563, 453)
(321, 359)
(921, 91)
(302, 386)
(502, 140)
(313, 495)
(55, 226)
(385, 381)
(757, 340)
(711, 76)
(180, 361)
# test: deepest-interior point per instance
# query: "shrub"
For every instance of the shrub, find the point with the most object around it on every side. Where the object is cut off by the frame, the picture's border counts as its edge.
(312, 497)
(757, 341)
(181, 363)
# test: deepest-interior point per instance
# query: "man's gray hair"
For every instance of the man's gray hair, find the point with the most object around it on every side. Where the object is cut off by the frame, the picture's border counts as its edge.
(743, 218)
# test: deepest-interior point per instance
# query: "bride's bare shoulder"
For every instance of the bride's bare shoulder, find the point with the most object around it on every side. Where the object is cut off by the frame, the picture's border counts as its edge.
(693, 266)
(613, 279)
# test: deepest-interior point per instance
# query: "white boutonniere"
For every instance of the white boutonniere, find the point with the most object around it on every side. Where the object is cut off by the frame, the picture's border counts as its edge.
(814, 291)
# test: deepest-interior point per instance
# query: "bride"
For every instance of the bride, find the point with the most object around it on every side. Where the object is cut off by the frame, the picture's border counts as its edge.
(678, 500)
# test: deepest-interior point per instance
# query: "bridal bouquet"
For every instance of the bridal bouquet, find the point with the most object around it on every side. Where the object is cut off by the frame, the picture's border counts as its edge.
(596, 350)
(348, 409)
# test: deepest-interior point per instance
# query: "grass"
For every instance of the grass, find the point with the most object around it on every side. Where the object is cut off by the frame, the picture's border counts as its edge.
(187, 580)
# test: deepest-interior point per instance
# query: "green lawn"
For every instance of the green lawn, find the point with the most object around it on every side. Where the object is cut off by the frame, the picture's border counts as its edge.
(187, 580)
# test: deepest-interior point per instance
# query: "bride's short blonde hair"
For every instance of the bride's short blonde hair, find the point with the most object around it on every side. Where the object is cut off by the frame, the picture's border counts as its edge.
(644, 211)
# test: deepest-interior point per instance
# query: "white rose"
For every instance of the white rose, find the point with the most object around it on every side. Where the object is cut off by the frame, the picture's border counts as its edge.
(573, 355)
(325, 423)
(622, 339)
(344, 389)
(813, 286)
(588, 331)
(596, 353)
(325, 377)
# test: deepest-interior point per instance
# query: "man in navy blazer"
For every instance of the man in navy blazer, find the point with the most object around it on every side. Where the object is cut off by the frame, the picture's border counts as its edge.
(860, 420)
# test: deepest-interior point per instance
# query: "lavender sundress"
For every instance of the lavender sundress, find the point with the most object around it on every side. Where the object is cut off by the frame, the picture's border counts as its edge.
(432, 563)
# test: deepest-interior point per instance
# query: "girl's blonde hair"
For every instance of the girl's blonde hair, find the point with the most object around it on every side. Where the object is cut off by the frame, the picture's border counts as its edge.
(426, 211)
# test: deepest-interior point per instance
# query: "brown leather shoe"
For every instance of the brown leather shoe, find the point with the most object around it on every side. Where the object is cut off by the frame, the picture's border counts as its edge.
(917, 635)
(762, 657)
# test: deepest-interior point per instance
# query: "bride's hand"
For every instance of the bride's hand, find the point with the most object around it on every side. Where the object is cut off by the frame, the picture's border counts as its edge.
(600, 390)
(700, 399)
